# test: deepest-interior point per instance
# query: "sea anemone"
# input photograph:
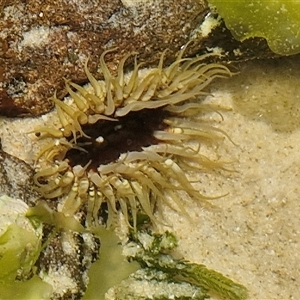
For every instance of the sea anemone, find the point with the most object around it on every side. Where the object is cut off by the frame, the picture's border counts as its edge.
(129, 140)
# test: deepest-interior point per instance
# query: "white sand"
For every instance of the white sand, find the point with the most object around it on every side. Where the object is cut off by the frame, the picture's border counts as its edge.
(255, 237)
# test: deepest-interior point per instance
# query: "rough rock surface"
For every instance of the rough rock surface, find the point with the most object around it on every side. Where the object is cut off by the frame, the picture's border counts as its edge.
(44, 41)
(65, 262)
(16, 178)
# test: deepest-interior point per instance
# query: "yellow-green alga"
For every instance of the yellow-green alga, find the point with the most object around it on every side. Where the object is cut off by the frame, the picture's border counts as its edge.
(278, 21)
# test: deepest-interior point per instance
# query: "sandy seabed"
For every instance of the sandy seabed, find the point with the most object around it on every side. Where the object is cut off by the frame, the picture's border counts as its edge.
(254, 235)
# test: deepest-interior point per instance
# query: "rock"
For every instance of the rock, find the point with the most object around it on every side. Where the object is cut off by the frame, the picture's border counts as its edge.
(44, 41)
(16, 178)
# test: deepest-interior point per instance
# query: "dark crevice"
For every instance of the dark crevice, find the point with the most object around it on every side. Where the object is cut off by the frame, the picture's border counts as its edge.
(109, 139)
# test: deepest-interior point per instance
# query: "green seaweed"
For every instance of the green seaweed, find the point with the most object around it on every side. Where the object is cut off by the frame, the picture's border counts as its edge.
(275, 20)
(32, 289)
(111, 268)
(20, 246)
(159, 268)
(20, 240)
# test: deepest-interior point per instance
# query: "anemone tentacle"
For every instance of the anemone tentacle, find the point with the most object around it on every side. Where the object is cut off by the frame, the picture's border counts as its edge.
(129, 139)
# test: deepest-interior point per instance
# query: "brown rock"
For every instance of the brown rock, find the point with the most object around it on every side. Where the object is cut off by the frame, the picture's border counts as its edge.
(68, 255)
(44, 41)
(16, 178)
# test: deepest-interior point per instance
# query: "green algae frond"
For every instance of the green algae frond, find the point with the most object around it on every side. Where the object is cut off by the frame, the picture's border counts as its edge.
(32, 289)
(20, 240)
(111, 268)
(164, 277)
(275, 20)
(20, 246)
